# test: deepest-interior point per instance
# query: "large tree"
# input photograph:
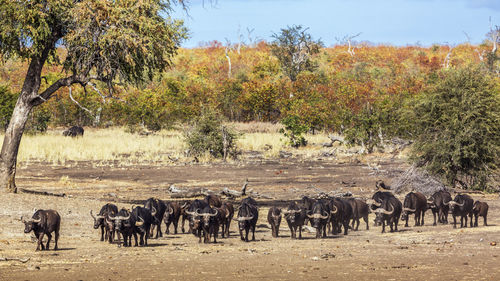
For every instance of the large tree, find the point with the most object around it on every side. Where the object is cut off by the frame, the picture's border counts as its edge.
(94, 40)
(294, 47)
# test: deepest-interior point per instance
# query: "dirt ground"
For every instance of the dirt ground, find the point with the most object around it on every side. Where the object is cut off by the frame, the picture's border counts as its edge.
(413, 253)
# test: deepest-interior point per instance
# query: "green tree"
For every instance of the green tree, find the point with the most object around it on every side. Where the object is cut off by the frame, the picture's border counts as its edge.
(7, 103)
(294, 47)
(457, 128)
(102, 40)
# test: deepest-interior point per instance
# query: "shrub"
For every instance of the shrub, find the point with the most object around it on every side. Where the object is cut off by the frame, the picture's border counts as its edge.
(293, 130)
(456, 128)
(7, 103)
(209, 134)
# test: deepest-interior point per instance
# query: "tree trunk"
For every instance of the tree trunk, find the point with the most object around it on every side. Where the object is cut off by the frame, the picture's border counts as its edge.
(11, 142)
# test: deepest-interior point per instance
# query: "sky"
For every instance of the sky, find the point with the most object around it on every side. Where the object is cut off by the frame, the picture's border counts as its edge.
(395, 22)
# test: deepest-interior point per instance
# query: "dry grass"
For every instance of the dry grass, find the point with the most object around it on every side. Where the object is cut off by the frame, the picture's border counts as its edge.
(116, 146)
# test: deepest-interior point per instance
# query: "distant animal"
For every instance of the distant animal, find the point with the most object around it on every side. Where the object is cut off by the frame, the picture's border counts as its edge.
(274, 219)
(248, 214)
(414, 203)
(480, 209)
(102, 220)
(74, 131)
(461, 206)
(124, 225)
(438, 203)
(295, 216)
(157, 208)
(381, 185)
(389, 212)
(43, 222)
(172, 215)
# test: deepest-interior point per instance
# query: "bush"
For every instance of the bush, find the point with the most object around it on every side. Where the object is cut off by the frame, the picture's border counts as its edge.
(456, 128)
(209, 134)
(293, 130)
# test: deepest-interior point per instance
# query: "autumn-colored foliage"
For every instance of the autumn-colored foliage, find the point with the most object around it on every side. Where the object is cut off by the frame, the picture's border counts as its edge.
(335, 96)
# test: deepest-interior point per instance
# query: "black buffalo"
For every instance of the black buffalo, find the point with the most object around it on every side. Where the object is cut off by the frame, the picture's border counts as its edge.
(192, 214)
(341, 213)
(318, 217)
(213, 200)
(142, 220)
(44, 222)
(461, 206)
(102, 220)
(228, 210)
(124, 225)
(157, 208)
(210, 220)
(359, 210)
(274, 219)
(73, 132)
(171, 216)
(377, 199)
(414, 203)
(389, 212)
(480, 209)
(438, 203)
(248, 214)
(295, 216)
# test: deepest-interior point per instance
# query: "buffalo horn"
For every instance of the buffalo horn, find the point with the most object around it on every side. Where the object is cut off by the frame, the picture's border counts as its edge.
(336, 210)
(139, 223)
(244, 218)
(171, 210)
(153, 211)
(409, 210)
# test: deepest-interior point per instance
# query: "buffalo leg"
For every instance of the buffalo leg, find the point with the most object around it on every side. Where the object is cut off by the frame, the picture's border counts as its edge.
(454, 221)
(175, 222)
(357, 224)
(56, 239)
(49, 237)
(167, 225)
(470, 216)
(253, 232)
(434, 215)
(102, 232)
(135, 238)
(407, 219)
(182, 226)
(476, 216)
(485, 221)
(365, 218)
(417, 218)
(40, 243)
(422, 218)
(346, 226)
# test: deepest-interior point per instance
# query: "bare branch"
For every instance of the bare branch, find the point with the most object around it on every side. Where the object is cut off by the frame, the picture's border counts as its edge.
(227, 50)
(77, 103)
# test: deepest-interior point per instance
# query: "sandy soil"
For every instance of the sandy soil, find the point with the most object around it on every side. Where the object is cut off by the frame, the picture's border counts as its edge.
(413, 253)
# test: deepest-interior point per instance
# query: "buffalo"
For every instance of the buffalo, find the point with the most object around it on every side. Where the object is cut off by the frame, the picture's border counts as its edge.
(461, 206)
(124, 225)
(74, 131)
(438, 203)
(172, 215)
(318, 216)
(192, 214)
(142, 219)
(295, 217)
(102, 220)
(44, 222)
(274, 219)
(228, 210)
(210, 219)
(341, 213)
(248, 214)
(480, 209)
(389, 212)
(414, 203)
(157, 208)
(359, 210)
(213, 200)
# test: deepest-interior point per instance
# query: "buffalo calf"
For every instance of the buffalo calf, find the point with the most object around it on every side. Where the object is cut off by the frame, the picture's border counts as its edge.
(480, 209)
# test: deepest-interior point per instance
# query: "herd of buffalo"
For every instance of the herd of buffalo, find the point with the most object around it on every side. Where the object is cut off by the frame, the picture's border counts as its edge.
(209, 216)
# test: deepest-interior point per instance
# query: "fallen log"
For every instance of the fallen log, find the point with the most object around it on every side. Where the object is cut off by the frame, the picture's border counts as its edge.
(25, 260)
(45, 193)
